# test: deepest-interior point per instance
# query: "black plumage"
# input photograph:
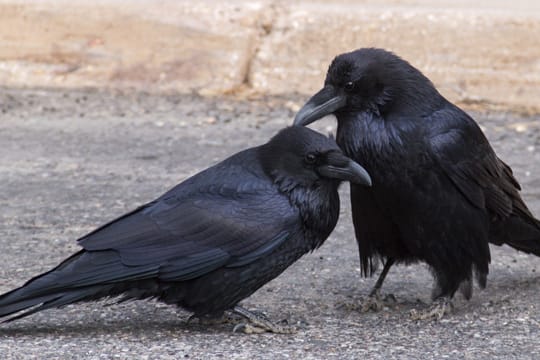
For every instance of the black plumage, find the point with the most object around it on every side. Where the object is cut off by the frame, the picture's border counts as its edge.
(440, 194)
(212, 240)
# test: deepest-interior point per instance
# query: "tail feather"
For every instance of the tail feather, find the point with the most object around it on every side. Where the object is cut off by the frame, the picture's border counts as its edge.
(57, 300)
(530, 246)
(17, 306)
(521, 233)
(85, 276)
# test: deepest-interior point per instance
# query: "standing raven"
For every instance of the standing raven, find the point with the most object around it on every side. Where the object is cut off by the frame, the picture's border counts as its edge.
(439, 194)
(212, 240)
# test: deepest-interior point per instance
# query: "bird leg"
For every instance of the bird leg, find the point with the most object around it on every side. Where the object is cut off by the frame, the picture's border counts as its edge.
(436, 311)
(258, 323)
(375, 301)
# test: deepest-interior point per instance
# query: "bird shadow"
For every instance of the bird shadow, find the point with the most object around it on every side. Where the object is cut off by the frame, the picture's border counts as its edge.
(506, 290)
(88, 327)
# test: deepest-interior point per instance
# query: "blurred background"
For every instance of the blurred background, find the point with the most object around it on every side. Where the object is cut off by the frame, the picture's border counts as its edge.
(481, 54)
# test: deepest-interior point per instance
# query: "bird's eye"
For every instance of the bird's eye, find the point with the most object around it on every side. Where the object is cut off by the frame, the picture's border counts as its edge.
(311, 158)
(349, 86)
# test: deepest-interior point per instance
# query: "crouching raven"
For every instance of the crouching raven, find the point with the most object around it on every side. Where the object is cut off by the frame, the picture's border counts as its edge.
(212, 240)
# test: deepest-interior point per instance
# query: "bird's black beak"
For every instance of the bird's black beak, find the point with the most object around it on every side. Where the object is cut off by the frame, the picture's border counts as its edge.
(323, 103)
(338, 166)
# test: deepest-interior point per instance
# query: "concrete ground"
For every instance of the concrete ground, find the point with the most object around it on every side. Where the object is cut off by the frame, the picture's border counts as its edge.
(71, 161)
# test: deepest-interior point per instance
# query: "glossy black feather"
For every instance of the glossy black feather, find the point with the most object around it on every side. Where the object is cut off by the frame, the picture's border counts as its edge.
(210, 241)
(440, 194)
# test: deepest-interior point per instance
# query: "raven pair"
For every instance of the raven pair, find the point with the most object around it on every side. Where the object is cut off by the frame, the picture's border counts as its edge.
(439, 195)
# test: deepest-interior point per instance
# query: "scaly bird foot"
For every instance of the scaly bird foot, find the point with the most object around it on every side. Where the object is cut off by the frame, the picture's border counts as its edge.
(435, 311)
(376, 302)
(373, 302)
(258, 323)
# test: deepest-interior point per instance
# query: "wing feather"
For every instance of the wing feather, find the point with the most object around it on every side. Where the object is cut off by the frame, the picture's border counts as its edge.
(194, 234)
(483, 179)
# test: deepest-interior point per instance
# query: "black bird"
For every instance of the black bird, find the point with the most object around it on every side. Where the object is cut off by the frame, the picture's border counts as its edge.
(212, 240)
(439, 194)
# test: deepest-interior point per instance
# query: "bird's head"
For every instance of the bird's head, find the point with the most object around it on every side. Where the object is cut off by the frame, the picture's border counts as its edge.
(299, 156)
(372, 80)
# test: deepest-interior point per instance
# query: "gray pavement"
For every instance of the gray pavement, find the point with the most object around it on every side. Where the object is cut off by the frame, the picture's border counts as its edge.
(71, 161)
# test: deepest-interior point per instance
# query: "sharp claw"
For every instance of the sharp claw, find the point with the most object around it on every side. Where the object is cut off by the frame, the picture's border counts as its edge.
(376, 302)
(259, 323)
(248, 329)
(373, 302)
(242, 327)
(436, 311)
(238, 327)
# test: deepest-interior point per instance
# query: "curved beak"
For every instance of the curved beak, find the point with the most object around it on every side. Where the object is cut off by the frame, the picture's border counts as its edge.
(338, 166)
(323, 103)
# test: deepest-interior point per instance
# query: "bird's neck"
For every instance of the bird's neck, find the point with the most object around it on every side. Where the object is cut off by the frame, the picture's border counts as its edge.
(366, 135)
(319, 209)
